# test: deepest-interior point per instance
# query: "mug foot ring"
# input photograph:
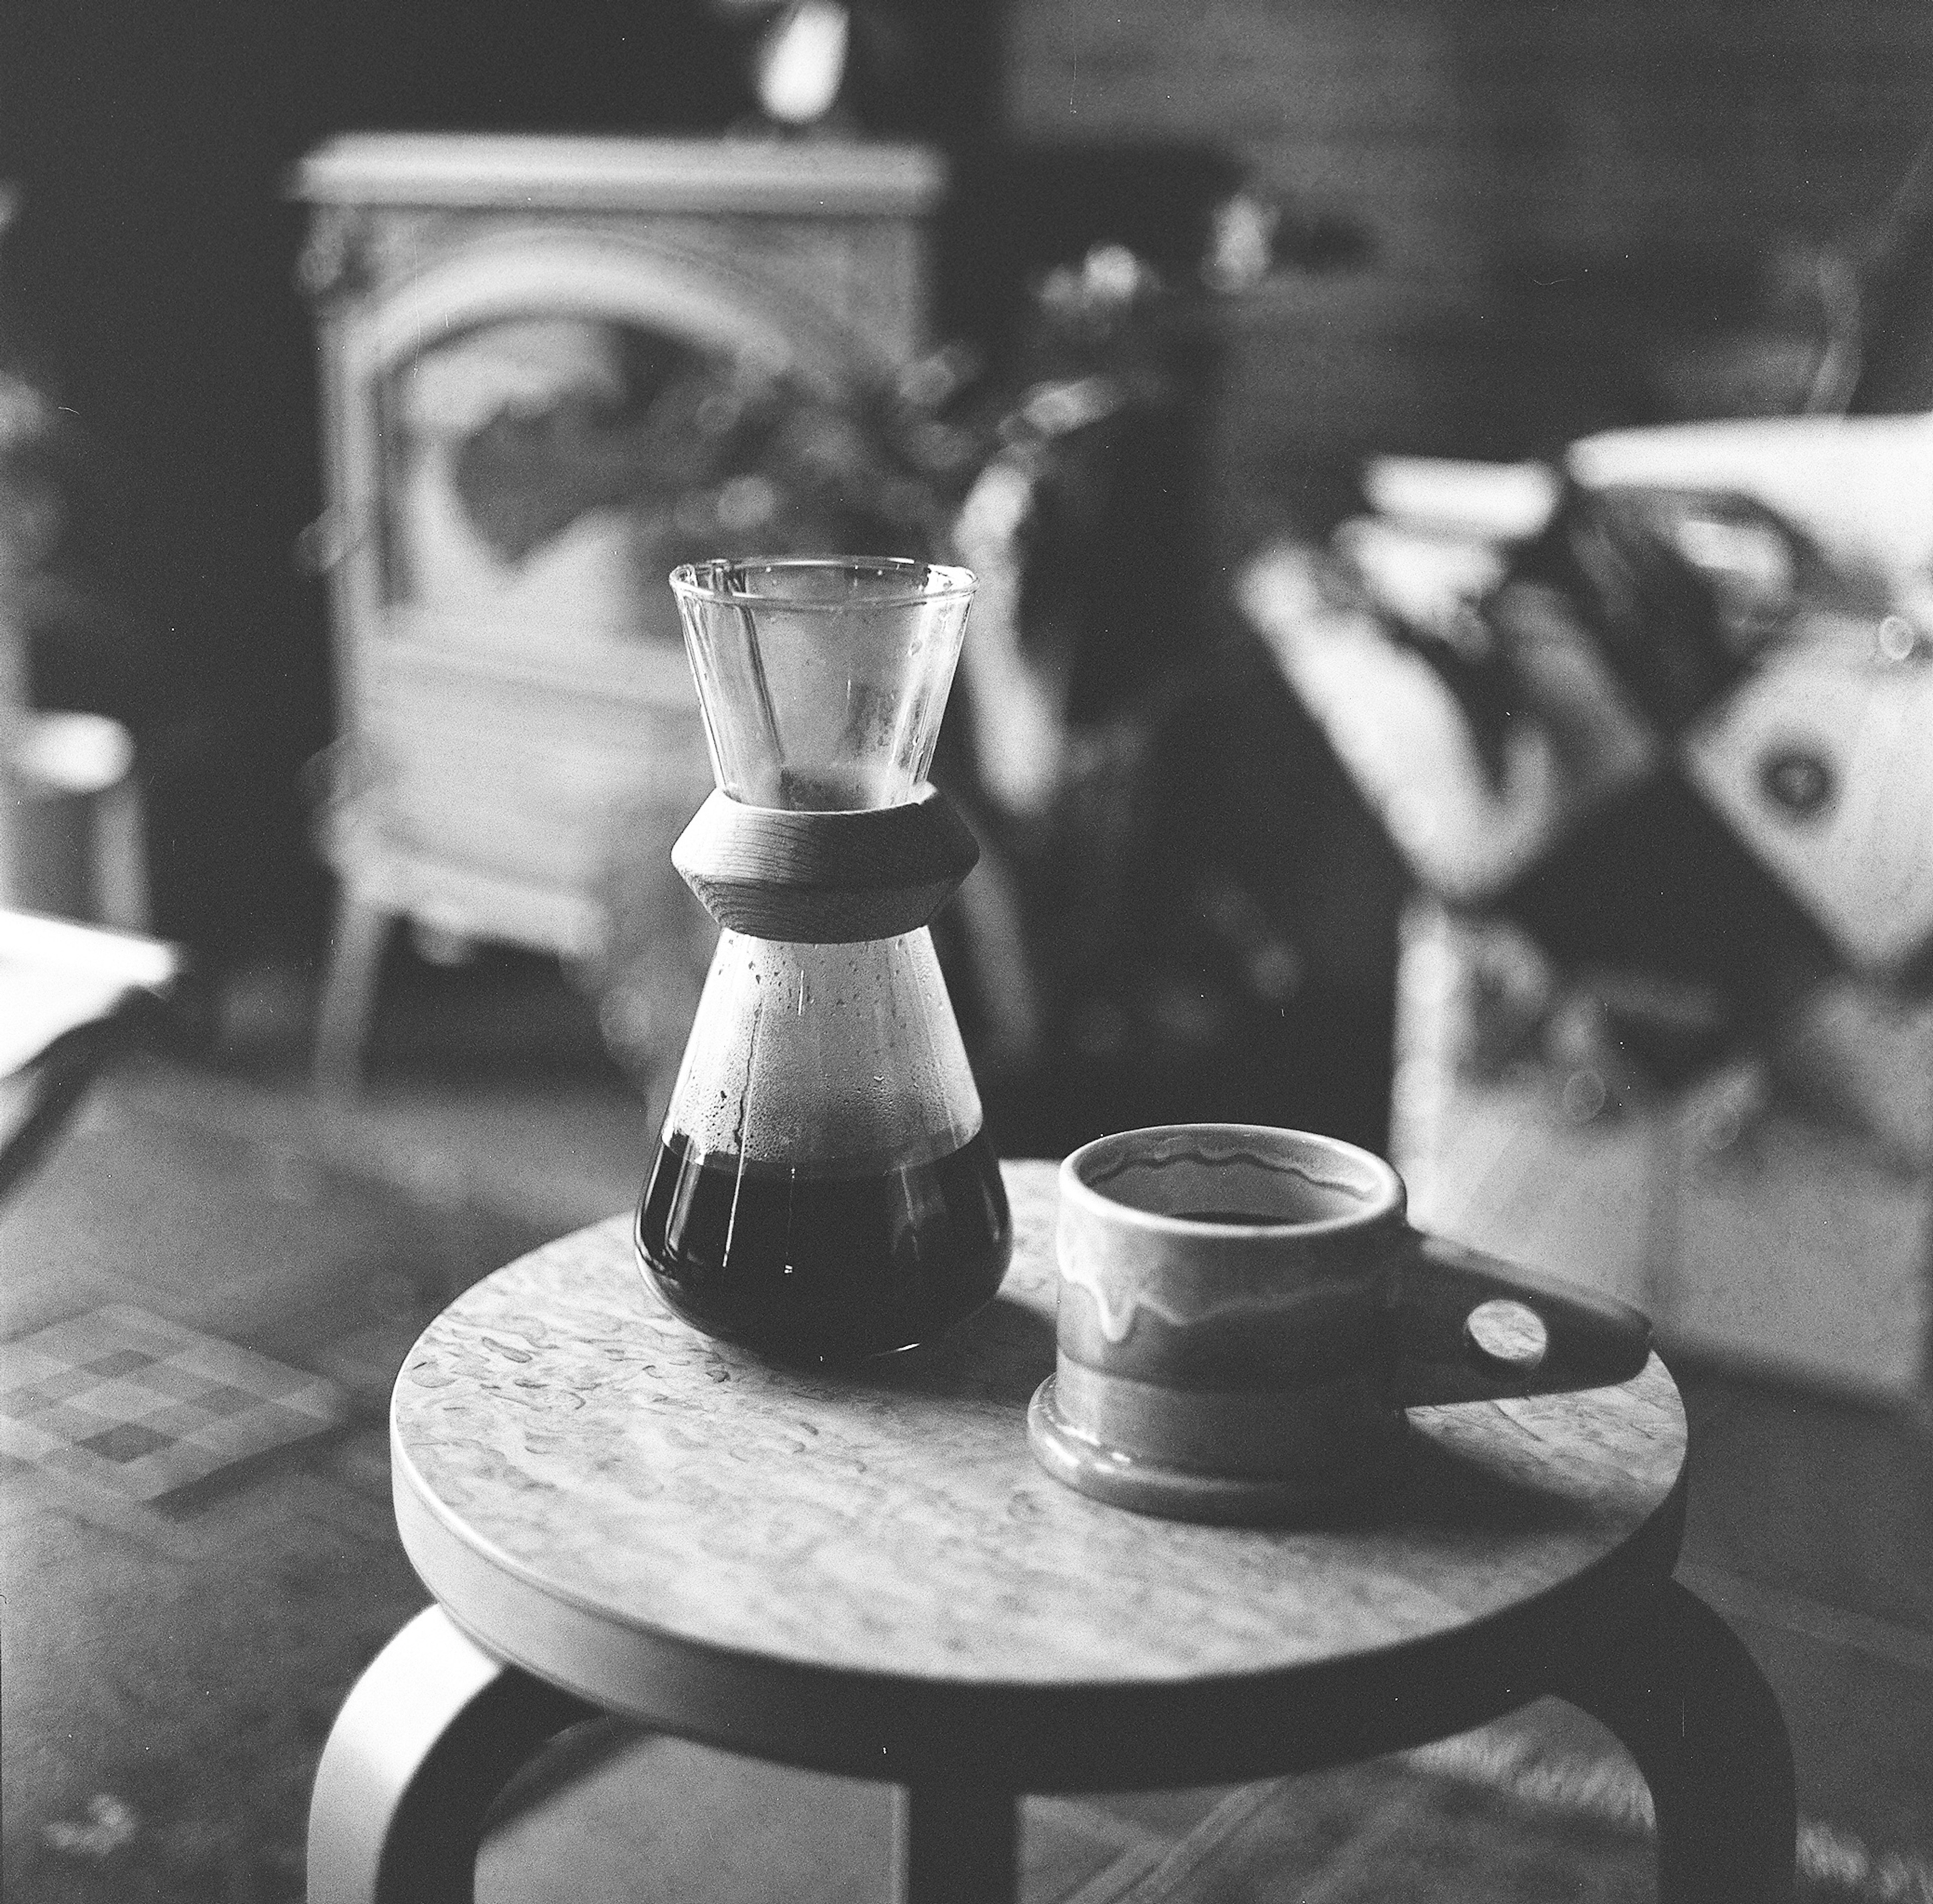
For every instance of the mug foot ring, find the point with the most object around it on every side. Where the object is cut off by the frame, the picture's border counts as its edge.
(1174, 1493)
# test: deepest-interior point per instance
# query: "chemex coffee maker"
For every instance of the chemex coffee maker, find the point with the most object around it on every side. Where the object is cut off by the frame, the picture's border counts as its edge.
(823, 1191)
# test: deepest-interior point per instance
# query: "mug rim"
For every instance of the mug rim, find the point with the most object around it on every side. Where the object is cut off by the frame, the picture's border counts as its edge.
(1387, 1199)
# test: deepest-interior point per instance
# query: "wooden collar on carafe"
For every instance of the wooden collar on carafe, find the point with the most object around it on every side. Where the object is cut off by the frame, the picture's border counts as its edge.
(826, 878)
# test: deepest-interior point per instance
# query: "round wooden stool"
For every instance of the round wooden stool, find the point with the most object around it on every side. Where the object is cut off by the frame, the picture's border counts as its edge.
(867, 1574)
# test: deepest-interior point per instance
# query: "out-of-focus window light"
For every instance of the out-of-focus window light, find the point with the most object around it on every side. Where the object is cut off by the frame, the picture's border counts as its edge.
(802, 61)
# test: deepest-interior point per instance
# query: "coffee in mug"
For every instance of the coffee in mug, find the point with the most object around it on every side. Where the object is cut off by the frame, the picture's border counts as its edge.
(1245, 1313)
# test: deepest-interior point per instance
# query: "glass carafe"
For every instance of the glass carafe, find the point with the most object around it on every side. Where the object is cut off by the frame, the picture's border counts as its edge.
(823, 1189)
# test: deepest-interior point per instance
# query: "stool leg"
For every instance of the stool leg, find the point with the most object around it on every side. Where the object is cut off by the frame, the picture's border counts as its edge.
(348, 992)
(428, 1737)
(956, 1844)
(1694, 1711)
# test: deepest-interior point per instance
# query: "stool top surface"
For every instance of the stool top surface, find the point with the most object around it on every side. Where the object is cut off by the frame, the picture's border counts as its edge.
(564, 1443)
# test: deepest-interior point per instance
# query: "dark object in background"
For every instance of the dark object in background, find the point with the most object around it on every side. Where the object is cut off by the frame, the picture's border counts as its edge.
(1656, 880)
(1895, 371)
(1015, 213)
(1199, 917)
(1650, 878)
(73, 641)
(1655, 617)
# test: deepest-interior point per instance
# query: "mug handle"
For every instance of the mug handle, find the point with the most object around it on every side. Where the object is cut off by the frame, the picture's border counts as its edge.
(1447, 1351)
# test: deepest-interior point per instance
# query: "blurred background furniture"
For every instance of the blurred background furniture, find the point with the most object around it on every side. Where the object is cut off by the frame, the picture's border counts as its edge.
(1653, 732)
(71, 818)
(76, 978)
(72, 998)
(535, 353)
(72, 837)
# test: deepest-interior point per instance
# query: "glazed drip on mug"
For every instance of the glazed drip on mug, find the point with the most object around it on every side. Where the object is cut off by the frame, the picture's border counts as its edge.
(1117, 1308)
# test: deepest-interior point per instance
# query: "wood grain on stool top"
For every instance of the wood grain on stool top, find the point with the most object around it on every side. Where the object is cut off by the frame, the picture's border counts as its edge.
(554, 1432)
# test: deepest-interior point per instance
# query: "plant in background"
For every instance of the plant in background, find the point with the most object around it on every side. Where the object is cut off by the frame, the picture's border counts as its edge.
(709, 456)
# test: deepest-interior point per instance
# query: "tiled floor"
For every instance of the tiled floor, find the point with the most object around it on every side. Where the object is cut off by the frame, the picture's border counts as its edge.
(121, 1400)
(205, 1299)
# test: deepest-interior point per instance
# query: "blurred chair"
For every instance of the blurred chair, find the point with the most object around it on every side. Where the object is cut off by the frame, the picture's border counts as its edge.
(71, 844)
(70, 821)
(72, 997)
(1653, 734)
(71, 833)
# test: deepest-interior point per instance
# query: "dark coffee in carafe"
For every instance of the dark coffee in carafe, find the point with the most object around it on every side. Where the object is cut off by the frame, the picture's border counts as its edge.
(823, 1189)
(819, 1265)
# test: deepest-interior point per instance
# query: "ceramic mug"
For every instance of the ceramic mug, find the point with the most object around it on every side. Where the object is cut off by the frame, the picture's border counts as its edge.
(1245, 1313)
